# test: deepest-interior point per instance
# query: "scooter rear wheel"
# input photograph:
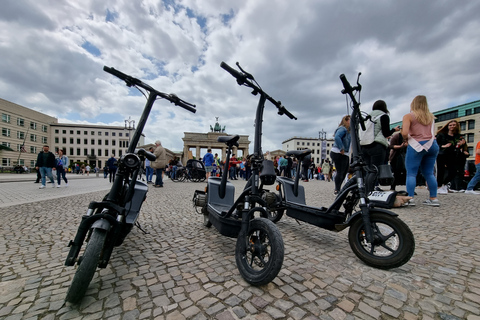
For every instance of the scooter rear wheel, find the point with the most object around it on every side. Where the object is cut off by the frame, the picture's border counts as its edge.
(393, 244)
(259, 253)
(87, 267)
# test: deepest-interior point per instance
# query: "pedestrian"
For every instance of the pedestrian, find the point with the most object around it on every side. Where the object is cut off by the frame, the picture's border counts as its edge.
(283, 163)
(418, 129)
(159, 164)
(45, 163)
(288, 172)
(375, 153)
(148, 168)
(326, 170)
(112, 168)
(208, 161)
(476, 178)
(232, 166)
(449, 140)
(105, 172)
(340, 151)
(61, 165)
(398, 148)
(306, 167)
(87, 169)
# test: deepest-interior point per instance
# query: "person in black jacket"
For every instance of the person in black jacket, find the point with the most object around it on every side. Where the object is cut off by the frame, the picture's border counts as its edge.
(45, 163)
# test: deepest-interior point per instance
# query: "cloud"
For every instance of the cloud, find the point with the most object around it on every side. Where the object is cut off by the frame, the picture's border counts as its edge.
(53, 54)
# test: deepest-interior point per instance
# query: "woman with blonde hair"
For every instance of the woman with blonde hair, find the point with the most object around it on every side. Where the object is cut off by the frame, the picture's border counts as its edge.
(449, 141)
(340, 151)
(418, 129)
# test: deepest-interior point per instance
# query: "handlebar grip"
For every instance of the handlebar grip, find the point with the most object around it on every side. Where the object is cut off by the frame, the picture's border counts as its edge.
(282, 110)
(173, 98)
(232, 71)
(346, 84)
(150, 156)
(186, 107)
(125, 77)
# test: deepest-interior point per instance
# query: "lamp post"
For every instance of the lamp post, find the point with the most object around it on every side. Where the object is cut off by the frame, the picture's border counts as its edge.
(322, 136)
(129, 125)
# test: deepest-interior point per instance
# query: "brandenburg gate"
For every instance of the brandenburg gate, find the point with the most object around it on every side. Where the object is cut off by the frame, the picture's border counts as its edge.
(209, 141)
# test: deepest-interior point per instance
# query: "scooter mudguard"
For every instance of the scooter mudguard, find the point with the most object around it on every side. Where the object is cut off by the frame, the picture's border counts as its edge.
(358, 215)
(101, 224)
(134, 205)
(218, 207)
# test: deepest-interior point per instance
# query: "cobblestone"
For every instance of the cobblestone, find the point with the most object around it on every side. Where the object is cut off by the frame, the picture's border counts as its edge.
(182, 270)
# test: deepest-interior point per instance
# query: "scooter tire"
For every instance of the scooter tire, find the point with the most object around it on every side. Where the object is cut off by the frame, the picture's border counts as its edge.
(275, 215)
(86, 269)
(393, 246)
(259, 254)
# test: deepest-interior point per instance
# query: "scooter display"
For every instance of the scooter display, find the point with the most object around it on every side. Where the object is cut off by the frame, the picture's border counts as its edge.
(376, 236)
(107, 223)
(259, 249)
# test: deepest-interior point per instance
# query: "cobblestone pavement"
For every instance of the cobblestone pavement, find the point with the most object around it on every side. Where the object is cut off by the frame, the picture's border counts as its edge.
(182, 270)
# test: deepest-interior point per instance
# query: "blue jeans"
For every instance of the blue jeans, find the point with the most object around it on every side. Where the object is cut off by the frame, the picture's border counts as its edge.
(475, 179)
(46, 172)
(425, 160)
(149, 173)
(61, 175)
(158, 179)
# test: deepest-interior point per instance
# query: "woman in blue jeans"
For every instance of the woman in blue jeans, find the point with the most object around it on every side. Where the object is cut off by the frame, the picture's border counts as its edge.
(422, 150)
(340, 151)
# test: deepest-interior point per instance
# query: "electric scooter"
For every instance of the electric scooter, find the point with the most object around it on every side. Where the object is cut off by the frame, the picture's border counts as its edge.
(377, 236)
(259, 248)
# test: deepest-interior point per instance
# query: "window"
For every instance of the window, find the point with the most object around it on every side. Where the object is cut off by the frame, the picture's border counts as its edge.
(64, 140)
(303, 143)
(85, 132)
(71, 152)
(119, 153)
(78, 141)
(57, 131)
(71, 131)
(20, 122)
(6, 118)
(85, 141)
(92, 133)
(469, 137)
(85, 152)
(33, 137)
(44, 140)
(99, 153)
(78, 151)
(447, 116)
(64, 131)
(99, 142)
(127, 134)
(470, 150)
(476, 110)
(33, 125)
(113, 142)
(71, 140)
(92, 142)
(120, 134)
(44, 128)
(99, 133)
(471, 124)
(106, 133)
(21, 162)
(56, 140)
(32, 163)
(78, 131)
(113, 134)
(5, 162)
(20, 135)
(92, 152)
(468, 112)
(19, 146)
(106, 152)
(463, 125)
(5, 132)
(308, 143)
(106, 142)
(6, 144)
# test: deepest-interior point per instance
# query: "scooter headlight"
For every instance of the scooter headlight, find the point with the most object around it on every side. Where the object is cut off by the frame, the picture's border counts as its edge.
(131, 160)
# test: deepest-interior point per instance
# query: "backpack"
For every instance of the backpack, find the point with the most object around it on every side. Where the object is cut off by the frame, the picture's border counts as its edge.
(368, 136)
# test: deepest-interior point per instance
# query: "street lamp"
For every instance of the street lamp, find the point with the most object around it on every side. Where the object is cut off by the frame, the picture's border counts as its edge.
(322, 136)
(129, 125)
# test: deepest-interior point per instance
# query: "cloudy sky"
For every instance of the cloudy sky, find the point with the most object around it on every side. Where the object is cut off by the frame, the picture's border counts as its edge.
(52, 55)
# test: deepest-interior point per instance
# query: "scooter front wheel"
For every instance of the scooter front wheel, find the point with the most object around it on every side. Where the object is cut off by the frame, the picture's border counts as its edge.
(259, 253)
(393, 243)
(87, 267)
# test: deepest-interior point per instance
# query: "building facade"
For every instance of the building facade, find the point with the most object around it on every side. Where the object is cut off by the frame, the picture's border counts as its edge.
(92, 144)
(314, 144)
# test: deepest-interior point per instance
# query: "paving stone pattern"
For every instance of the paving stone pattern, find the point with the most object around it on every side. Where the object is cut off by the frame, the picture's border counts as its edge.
(182, 270)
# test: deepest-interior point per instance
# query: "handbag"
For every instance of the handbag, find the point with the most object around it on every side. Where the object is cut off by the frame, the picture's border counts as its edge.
(385, 175)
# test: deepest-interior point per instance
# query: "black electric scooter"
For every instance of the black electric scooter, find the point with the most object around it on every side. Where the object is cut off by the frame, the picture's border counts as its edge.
(106, 224)
(259, 248)
(377, 236)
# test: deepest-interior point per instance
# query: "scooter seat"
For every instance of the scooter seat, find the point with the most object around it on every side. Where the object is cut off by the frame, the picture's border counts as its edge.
(229, 140)
(299, 154)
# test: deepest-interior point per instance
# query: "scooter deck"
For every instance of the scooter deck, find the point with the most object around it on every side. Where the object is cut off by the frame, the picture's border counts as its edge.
(316, 216)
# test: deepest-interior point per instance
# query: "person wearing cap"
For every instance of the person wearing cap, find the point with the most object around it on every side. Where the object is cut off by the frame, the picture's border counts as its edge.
(159, 164)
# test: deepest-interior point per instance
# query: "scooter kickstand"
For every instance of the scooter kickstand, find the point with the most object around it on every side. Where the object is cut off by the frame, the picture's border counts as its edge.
(137, 224)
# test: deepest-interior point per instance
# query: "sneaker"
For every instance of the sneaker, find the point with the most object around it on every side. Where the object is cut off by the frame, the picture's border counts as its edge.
(53, 185)
(41, 187)
(461, 191)
(58, 186)
(452, 191)
(442, 190)
(433, 203)
(66, 184)
(471, 192)
(411, 202)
